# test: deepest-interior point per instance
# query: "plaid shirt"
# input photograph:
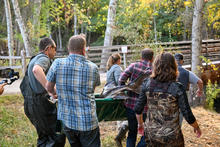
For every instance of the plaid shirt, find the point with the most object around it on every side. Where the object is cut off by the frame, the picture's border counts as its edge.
(131, 73)
(76, 79)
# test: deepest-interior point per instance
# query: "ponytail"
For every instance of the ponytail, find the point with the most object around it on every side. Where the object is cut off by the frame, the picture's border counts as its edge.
(112, 60)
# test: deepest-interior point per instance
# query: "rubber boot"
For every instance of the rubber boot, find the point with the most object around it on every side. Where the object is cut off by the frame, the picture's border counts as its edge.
(121, 134)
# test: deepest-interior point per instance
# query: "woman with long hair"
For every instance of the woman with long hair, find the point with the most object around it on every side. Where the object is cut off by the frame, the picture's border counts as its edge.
(113, 68)
(164, 98)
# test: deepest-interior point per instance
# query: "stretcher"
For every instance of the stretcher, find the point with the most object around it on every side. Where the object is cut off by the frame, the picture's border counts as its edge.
(109, 109)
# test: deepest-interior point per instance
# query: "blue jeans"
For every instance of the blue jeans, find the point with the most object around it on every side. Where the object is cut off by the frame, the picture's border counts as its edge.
(132, 130)
(83, 138)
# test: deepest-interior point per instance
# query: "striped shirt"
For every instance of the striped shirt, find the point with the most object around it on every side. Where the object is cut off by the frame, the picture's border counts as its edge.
(131, 73)
(76, 79)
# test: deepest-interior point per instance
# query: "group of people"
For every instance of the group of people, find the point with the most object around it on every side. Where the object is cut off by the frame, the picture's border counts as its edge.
(161, 103)
(72, 80)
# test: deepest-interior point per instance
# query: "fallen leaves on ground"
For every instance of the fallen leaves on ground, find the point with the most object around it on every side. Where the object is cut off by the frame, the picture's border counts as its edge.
(209, 123)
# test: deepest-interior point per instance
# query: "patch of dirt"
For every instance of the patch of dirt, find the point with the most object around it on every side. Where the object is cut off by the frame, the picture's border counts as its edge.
(210, 126)
(209, 123)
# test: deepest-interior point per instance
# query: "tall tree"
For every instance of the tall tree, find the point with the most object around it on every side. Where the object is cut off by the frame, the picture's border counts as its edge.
(9, 30)
(36, 21)
(22, 27)
(75, 19)
(109, 31)
(197, 36)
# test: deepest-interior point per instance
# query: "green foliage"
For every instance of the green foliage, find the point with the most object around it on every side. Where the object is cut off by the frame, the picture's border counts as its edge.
(212, 16)
(98, 42)
(130, 24)
(211, 93)
(212, 90)
(134, 20)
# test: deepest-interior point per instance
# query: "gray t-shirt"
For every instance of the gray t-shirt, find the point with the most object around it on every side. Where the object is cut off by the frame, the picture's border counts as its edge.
(43, 61)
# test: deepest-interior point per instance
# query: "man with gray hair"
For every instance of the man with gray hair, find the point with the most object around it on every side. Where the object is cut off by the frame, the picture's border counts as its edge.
(76, 78)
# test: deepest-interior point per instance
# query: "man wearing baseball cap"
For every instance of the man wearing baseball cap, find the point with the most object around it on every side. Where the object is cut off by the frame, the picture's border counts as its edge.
(187, 77)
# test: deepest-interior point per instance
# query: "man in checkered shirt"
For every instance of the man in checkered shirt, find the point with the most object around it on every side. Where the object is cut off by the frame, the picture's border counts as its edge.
(76, 78)
(132, 72)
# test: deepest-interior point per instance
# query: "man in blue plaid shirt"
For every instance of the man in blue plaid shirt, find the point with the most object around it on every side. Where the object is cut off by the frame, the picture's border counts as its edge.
(76, 78)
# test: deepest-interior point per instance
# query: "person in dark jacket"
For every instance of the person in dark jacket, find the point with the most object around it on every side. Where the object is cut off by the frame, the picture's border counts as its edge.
(164, 97)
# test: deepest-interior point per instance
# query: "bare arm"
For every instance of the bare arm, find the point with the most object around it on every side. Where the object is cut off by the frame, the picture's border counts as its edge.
(139, 119)
(140, 123)
(50, 87)
(2, 88)
(196, 129)
(40, 75)
(199, 92)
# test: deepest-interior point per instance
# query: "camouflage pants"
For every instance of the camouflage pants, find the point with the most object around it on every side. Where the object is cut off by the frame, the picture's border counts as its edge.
(179, 142)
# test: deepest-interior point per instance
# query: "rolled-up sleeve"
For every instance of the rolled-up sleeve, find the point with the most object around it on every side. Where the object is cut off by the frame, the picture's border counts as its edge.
(51, 75)
(126, 75)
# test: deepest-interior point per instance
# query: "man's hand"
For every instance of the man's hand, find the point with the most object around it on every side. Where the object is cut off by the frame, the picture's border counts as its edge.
(198, 132)
(141, 129)
(199, 93)
(2, 88)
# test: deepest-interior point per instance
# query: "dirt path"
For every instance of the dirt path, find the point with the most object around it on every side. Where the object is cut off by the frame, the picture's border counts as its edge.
(209, 123)
(14, 87)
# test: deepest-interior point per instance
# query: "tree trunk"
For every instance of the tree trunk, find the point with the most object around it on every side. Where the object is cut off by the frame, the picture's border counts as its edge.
(57, 40)
(36, 21)
(82, 28)
(109, 32)
(75, 19)
(86, 31)
(155, 25)
(22, 27)
(9, 30)
(3, 18)
(185, 15)
(196, 41)
(60, 38)
(75, 25)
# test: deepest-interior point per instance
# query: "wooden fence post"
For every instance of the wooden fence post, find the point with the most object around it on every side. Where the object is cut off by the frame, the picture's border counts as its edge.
(23, 61)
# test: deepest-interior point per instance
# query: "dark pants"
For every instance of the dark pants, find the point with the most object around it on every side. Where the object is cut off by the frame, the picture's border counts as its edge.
(43, 115)
(83, 138)
(132, 129)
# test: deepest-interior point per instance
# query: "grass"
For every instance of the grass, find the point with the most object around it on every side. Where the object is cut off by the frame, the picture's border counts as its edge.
(17, 131)
(15, 128)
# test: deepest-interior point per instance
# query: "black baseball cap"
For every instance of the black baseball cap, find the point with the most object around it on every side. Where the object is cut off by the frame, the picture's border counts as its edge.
(178, 56)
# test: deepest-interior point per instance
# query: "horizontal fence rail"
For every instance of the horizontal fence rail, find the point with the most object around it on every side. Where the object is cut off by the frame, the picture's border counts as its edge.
(210, 50)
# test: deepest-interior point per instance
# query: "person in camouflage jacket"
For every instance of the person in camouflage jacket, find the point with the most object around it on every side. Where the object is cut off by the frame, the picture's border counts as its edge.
(164, 97)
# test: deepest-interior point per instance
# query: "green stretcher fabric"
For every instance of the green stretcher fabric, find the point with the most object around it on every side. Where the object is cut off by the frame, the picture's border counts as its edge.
(109, 109)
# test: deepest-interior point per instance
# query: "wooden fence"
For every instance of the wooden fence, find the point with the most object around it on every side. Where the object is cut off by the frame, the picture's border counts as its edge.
(210, 50)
